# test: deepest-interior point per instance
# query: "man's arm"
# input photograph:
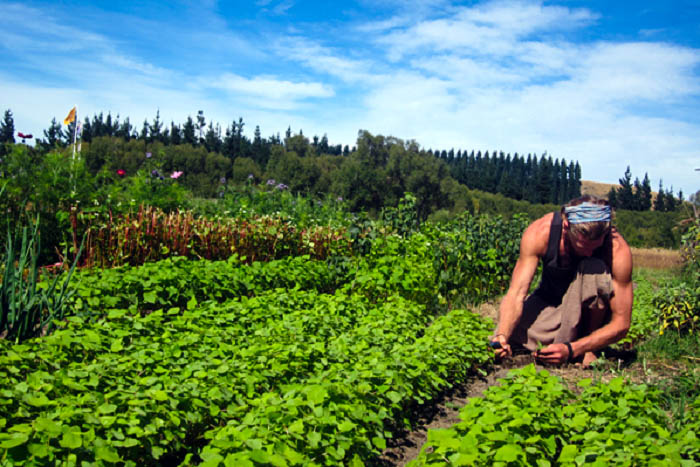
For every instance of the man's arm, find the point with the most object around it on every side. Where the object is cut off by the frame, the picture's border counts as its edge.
(533, 245)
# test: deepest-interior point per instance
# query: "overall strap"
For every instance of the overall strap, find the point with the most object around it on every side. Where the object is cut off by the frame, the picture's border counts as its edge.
(552, 254)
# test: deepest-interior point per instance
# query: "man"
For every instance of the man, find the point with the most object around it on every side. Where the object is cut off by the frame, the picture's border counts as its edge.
(584, 300)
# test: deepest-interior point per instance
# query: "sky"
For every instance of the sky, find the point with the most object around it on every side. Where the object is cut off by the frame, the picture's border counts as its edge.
(609, 84)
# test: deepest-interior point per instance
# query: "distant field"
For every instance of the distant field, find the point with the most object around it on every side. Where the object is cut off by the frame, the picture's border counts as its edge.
(656, 258)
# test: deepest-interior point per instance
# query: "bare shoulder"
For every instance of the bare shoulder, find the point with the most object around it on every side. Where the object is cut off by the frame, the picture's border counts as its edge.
(621, 257)
(536, 236)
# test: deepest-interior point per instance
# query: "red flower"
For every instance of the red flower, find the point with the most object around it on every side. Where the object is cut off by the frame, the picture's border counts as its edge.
(121, 172)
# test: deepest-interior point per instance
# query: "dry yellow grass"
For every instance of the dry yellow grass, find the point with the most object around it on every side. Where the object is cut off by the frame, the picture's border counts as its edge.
(600, 190)
(656, 258)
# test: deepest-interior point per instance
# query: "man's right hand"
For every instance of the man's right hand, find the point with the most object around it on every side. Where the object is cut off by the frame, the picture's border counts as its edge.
(505, 350)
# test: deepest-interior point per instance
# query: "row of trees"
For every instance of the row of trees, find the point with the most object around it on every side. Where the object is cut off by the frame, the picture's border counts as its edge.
(535, 180)
(637, 196)
(231, 142)
(207, 155)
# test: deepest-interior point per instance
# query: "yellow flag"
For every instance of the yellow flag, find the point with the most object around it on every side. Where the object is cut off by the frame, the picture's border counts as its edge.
(70, 117)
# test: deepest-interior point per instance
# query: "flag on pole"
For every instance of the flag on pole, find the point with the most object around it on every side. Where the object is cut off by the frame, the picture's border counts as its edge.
(70, 117)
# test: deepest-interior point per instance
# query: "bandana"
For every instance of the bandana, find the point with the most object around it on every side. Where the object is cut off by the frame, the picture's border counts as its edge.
(587, 212)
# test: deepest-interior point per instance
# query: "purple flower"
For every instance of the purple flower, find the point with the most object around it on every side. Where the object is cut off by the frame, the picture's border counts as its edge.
(339, 198)
(154, 173)
(251, 176)
(176, 174)
(222, 180)
(148, 155)
(281, 186)
(271, 181)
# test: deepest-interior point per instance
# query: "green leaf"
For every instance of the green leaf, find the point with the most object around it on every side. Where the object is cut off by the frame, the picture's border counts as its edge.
(508, 453)
(38, 400)
(116, 346)
(314, 438)
(107, 453)
(150, 297)
(568, 453)
(12, 440)
(71, 440)
(379, 442)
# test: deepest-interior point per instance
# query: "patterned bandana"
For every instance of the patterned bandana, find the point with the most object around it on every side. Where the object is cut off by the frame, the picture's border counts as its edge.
(587, 212)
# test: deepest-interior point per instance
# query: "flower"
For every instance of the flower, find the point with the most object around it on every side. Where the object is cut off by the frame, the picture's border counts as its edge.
(176, 174)
(121, 172)
(271, 181)
(251, 176)
(148, 155)
(281, 186)
(339, 198)
(154, 173)
(222, 180)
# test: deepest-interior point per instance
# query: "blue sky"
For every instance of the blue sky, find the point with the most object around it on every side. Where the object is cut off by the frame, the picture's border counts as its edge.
(609, 84)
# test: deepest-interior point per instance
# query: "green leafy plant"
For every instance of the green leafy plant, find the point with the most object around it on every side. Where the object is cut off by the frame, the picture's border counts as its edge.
(27, 310)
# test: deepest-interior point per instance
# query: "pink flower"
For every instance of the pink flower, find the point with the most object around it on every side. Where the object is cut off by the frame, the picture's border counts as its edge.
(121, 172)
(176, 174)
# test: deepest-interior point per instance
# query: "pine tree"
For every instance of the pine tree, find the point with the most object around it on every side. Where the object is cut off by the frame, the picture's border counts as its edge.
(143, 136)
(125, 130)
(53, 134)
(87, 131)
(175, 134)
(188, 132)
(659, 202)
(7, 128)
(156, 128)
(625, 195)
(645, 196)
(637, 197)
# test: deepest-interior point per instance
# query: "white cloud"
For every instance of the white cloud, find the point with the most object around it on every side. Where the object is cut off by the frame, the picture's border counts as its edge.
(269, 91)
(324, 60)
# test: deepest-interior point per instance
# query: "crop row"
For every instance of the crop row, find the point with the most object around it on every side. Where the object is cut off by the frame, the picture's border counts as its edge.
(292, 375)
(533, 419)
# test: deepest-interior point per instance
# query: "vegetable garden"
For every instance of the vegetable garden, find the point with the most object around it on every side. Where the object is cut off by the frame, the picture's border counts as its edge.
(268, 341)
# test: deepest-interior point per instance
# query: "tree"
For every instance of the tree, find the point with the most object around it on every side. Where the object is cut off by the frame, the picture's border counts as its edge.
(175, 134)
(212, 139)
(645, 194)
(7, 128)
(156, 128)
(659, 202)
(188, 132)
(53, 134)
(625, 195)
(125, 130)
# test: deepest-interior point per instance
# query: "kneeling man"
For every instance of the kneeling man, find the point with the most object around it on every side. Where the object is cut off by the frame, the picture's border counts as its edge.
(584, 300)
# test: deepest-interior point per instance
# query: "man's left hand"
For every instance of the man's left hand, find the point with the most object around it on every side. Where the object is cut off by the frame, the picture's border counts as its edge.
(554, 354)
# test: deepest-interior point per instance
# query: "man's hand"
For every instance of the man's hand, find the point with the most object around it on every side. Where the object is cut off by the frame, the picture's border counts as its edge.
(505, 350)
(554, 354)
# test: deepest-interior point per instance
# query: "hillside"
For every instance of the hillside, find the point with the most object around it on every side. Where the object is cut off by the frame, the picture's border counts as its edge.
(597, 189)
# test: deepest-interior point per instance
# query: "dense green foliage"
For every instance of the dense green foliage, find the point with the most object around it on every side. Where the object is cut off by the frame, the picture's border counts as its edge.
(533, 419)
(678, 304)
(283, 362)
